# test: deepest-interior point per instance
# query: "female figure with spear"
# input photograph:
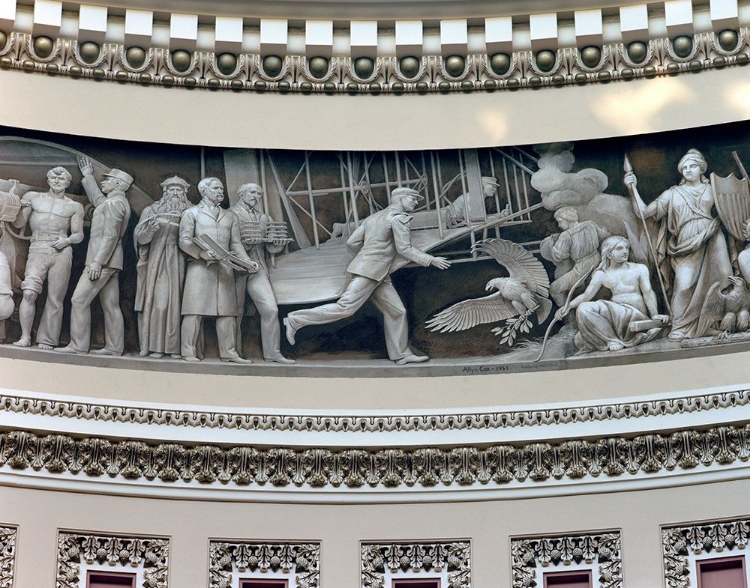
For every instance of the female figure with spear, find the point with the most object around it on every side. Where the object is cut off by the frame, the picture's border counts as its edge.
(689, 240)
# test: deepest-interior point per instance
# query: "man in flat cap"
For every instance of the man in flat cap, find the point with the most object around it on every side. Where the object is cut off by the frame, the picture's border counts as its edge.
(161, 271)
(104, 259)
(381, 244)
(458, 209)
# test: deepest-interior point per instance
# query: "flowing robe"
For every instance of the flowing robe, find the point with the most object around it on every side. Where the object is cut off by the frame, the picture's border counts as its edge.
(603, 322)
(690, 237)
(161, 276)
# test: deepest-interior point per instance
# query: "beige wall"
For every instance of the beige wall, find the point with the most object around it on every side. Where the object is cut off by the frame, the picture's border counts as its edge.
(341, 527)
(363, 122)
(230, 119)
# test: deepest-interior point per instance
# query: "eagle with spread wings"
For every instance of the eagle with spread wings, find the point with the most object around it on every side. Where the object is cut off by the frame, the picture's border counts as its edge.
(526, 289)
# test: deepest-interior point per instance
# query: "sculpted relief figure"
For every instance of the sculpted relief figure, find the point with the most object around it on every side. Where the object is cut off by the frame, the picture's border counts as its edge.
(611, 325)
(56, 224)
(457, 209)
(690, 241)
(376, 243)
(161, 271)
(104, 261)
(257, 285)
(210, 288)
(575, 251)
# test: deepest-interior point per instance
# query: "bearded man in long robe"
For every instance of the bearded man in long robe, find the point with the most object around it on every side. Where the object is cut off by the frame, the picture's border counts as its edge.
(161, 271)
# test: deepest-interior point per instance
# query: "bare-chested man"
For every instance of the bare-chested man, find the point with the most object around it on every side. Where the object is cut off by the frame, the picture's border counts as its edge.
(56, 223)
(604, 325)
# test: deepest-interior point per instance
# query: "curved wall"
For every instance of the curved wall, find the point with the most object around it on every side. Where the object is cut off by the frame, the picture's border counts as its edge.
(638, 508)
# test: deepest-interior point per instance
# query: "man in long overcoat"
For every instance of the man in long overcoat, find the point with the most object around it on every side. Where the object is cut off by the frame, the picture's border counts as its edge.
(210, 284)
(161, 271)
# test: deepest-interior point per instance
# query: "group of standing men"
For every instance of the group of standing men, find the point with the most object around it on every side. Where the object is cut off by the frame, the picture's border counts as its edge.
(179, 282)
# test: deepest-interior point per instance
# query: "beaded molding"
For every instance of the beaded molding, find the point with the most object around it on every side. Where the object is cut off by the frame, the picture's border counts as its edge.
(383, 75)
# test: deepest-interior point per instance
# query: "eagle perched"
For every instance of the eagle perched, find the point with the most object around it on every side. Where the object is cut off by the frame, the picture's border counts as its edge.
(525, 289)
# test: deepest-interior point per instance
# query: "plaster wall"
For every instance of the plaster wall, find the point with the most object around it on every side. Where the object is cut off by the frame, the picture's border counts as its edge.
(340, 528)
(366, 122)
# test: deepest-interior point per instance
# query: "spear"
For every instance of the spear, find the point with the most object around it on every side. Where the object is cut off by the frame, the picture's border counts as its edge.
(628, 168)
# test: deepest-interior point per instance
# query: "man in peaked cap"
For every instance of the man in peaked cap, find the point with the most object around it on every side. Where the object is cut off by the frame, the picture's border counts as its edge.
(382, 244)
(161, 271)
(104, 260)
(458, 209)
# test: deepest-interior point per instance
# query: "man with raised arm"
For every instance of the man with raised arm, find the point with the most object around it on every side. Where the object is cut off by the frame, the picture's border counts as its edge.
(104, 260)
(56, 223)
(378, 243)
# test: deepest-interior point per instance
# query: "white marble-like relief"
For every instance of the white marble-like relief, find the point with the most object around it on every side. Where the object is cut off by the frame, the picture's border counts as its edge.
(449, 562)
(8, 536)
(630, 249)
(596, 553)
(79, 553)
(685, 546)
(296, 563)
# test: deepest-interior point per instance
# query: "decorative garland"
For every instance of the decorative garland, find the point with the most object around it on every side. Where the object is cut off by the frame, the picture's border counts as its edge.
(322, 423)
(531, 463)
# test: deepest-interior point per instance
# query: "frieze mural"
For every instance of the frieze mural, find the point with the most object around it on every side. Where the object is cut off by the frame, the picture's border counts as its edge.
(466, 261)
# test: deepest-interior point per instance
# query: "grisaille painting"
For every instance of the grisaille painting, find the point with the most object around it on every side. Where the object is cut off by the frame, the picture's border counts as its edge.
(155, 256)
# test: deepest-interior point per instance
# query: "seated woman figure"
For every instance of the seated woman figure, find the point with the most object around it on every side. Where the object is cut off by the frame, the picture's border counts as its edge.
(604, 325)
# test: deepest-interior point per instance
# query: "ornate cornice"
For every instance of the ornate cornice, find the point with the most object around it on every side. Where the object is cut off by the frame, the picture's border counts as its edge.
(477, 72)
(602, 549)
(424, 467)
(11, 402)
(699, 539)
(451, 558)
(298, 560)
(147, 553)
(7, 555)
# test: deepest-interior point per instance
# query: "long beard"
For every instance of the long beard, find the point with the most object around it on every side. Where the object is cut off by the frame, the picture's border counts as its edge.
(171, 204)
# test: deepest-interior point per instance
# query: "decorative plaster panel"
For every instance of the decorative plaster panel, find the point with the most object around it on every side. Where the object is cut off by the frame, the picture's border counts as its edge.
(448, 561)
(682, 545)
(7, 555)
(297, 562)
(603, 550)
(575, 460)
(20, 403)
(148, 556)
